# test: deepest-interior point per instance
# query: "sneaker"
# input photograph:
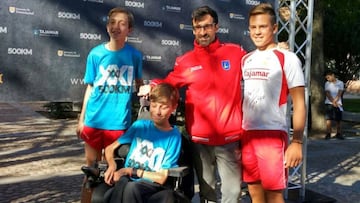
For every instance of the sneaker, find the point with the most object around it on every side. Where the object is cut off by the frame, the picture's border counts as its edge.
(327, 137)
(339, 136)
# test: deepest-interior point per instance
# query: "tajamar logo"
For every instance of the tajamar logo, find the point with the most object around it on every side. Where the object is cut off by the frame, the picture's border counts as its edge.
(1, 81)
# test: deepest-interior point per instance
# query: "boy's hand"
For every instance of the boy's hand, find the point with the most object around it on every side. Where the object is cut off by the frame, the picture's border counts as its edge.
(293, 155)
(122, 172)
(109, 174)
(79, 129)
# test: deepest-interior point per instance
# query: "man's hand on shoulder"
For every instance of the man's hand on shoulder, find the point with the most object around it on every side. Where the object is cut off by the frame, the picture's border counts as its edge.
(144, 90)
(283, 45)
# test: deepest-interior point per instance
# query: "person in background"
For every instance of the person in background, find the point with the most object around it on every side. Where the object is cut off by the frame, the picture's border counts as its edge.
(334, 90)
(269, 75)
(155, 147)
(111, 69)
(211, 73)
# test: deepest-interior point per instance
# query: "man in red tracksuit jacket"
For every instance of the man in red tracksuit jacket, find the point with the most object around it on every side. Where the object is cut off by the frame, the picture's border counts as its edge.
(212, 74)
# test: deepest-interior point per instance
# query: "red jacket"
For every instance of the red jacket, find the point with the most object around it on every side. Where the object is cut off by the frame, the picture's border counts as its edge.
(212, 75)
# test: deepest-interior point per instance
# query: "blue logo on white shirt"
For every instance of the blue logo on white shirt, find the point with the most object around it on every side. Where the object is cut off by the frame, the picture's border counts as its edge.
(225, 64)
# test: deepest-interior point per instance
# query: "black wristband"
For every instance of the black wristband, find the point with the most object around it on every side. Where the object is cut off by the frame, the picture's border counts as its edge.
(134, 173)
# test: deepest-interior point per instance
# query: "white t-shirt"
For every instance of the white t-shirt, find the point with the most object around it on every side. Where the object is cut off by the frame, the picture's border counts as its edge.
(265, 89)
(333, 88)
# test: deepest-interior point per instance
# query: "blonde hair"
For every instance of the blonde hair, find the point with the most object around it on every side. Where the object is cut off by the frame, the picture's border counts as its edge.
(164, 91)
(264, 8)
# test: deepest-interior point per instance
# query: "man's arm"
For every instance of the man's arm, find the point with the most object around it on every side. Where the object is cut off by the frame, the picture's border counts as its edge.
(328, 95)
(335, 100)
(341, 91)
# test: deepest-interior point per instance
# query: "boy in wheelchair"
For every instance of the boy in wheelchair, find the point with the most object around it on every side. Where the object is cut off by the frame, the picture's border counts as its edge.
(155, 147)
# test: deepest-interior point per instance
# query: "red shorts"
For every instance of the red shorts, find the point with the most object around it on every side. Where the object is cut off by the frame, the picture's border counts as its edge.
(263, 158)
(99, 138)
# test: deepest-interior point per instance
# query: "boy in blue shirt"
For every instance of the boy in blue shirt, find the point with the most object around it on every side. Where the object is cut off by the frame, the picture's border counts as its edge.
(111, 69)
(155, 147)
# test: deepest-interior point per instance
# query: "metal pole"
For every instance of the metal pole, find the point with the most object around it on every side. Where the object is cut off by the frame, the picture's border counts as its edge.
(307, 90)
(291, 27)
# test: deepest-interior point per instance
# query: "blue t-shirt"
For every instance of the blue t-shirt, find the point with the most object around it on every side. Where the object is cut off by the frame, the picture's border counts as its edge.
(151, 149)
(112, 74)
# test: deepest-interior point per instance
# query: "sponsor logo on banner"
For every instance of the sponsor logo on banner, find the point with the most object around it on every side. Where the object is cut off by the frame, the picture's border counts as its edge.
(68, 53)
(3, 29)
(152, 58)
(135, 4)
(165, 42)
(46, 33)
(95, 1)
(77, 81)
(136, 40)
(185, 27)
(25, 11)
(68, 15)
(236, 16)
(252, 2)
(104, 19)
(12, 9)
(90, 36)
(152, 23)
(19, 51)
(170, 8)
(223, 30)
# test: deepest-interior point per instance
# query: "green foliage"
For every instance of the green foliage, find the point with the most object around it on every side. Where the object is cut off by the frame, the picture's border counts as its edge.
(352, 105)
(341, 37)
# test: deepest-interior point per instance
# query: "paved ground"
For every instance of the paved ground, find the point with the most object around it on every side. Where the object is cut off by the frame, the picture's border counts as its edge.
(40, 160)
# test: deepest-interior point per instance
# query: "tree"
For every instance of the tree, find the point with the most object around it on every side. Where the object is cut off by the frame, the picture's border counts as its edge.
(317, 70)
(336, 45)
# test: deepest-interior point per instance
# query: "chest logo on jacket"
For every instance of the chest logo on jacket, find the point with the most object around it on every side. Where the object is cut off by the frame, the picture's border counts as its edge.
(225, 64)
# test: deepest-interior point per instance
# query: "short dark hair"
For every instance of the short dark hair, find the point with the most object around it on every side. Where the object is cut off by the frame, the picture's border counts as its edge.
(130, 16)
(263, 8)
(200, 12)
(329, 72)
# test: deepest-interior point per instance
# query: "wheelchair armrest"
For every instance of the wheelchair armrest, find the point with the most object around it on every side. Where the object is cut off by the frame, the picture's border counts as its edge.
(122, 151)
(90, 171)
(178, 172)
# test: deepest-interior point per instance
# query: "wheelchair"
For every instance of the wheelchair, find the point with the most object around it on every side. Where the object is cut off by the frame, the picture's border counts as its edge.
(180, 181)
